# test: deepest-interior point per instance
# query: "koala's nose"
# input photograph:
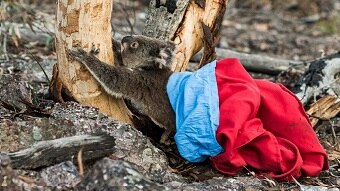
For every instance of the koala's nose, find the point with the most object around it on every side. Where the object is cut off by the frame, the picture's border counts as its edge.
(127, 39)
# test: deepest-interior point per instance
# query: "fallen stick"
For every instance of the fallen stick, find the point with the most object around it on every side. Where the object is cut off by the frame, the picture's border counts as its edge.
(258, 63)
(47, 153)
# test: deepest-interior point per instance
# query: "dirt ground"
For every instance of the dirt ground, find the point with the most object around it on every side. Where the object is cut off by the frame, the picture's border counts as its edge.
(293, 30)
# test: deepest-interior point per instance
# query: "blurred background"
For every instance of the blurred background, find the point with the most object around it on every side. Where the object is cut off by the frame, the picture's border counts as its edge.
(292, 29)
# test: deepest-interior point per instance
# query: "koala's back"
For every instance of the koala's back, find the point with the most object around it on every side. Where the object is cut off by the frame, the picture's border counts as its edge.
(150, 93)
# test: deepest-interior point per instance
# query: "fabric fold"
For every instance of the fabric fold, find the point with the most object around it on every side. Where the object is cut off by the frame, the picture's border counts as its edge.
(271, 137)
(238, 121)
(194, 98)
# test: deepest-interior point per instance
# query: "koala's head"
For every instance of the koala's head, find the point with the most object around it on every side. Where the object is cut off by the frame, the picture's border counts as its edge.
(147, 53)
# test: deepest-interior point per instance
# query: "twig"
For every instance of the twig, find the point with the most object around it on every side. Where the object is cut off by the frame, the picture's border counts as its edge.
(296, 182)
(332, 174)
(1, 72)
(316, 117)
(36, 60)
(333, 133)
(5, 47)
(249, 171)
(80, 162)
(9, 106)
(188, 168)
(28, 180)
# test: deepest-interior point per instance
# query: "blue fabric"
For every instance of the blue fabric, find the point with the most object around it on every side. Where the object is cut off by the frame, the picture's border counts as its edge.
(194, 98)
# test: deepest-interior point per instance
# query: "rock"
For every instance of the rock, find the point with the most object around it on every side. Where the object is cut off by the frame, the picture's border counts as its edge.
(317, 188)
(7, 175)
(72, 119)
(13, 90)
(64, 175)
(131, 144)
(109, 174)
(220, 183)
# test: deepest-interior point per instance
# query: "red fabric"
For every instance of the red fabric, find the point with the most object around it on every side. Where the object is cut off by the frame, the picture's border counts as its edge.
(263, 126)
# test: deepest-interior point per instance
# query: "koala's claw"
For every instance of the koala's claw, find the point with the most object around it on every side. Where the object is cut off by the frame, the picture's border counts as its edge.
(69, 55)
(72, 54)
(94, 50)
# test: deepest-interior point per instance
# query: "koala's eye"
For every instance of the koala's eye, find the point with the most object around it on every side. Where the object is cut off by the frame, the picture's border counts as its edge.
(134, 45)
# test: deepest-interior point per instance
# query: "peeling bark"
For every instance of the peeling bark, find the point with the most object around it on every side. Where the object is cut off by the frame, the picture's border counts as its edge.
(185, 26)
(163, 20)
(84, 23)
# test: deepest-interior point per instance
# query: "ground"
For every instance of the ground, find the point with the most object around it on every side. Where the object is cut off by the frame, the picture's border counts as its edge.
(293, 30)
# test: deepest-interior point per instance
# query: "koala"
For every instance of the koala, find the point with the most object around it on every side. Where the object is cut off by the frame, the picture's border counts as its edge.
(140, 76)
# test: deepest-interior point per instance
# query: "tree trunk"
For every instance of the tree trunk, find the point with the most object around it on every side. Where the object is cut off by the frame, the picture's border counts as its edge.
(84, 23)
(190, 24)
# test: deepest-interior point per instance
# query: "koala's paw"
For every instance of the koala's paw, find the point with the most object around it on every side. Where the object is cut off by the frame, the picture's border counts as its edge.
(77, 53)
(160, 63)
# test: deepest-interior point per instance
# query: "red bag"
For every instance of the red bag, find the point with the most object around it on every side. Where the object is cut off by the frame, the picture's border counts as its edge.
(263, 126)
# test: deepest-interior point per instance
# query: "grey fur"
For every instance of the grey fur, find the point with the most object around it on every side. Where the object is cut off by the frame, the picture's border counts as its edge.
(141, 77)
